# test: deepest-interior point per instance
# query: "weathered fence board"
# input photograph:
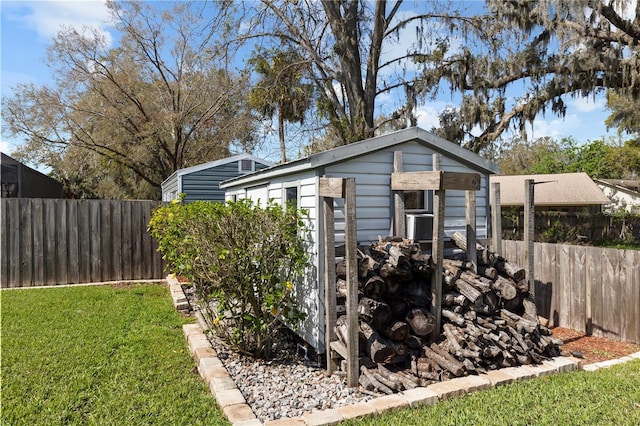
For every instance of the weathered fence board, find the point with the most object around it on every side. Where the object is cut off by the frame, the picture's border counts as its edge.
(589, 289)
(50, 242)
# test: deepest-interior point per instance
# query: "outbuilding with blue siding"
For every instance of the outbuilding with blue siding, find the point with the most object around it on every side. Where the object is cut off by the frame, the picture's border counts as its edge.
(371, 163)
(202, 182)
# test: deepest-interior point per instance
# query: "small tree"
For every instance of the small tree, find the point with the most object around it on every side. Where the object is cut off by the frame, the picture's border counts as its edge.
(244, 261)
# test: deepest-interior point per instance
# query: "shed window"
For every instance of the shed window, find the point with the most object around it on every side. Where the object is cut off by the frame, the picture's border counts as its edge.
(418, 201)
(291, 195)
(246, 165)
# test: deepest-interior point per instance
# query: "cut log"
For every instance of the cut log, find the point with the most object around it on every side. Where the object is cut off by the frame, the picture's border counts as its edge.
(488, 271)
(421, 263)
(421, 321)
(455, 367)
(504, 287)
(453, 317)
(399, 307)
(375, 382)
(375, 287)
(379, 350)
(374, 312)
(509, 269)
(453, 298)
(396, 331)
(418, 293)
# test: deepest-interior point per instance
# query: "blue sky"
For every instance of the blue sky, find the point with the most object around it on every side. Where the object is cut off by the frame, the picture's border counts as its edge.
(27, 27)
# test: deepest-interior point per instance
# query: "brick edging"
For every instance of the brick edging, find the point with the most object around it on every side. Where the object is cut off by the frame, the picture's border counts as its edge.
(235, 407)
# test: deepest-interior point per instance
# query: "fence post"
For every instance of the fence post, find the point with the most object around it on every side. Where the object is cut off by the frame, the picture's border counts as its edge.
(496, 218)
(529, 233)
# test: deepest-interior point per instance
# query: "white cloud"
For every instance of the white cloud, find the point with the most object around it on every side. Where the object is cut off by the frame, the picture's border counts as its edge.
(46, 18)
(5, 147)
(427, 115)
(588, 104)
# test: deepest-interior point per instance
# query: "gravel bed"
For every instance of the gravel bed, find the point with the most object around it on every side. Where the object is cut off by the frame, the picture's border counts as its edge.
(288, 385)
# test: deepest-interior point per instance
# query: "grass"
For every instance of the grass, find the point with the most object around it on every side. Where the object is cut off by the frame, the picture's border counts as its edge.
(114, 356)
(610, 396)
(99, 355)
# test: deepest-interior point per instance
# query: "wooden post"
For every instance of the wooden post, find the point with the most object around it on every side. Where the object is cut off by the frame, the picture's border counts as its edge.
(529, 232)
(329, 280)
(437, 253)
(496, 219)
(399, 226)
(470, 209)
(351, 247)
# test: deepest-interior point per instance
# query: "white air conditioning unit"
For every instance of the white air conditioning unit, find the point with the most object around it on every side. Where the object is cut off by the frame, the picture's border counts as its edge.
(419, 226)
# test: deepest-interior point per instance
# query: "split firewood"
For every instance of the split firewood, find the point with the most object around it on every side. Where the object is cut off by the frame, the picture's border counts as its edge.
(392, 377)
(374, 381)
(455, 367)
(488, 271)
(505, 288)
(453, 298)
(453, 317)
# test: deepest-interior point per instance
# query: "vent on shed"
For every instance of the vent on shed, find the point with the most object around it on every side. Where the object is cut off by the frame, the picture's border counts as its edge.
(246, 165)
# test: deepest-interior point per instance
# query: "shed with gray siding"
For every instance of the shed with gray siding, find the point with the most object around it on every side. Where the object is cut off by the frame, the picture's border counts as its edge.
(202, 182)
(370, 162)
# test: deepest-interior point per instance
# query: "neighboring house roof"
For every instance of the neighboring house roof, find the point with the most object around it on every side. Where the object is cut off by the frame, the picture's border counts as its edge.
(356, 149)
(562, 189)
(630, 186)
(217, 163)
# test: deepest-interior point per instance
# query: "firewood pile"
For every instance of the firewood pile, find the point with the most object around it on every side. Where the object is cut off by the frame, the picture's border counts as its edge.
(489, 319)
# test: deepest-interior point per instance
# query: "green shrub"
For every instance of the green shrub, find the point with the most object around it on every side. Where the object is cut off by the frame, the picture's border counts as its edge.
(244, 261)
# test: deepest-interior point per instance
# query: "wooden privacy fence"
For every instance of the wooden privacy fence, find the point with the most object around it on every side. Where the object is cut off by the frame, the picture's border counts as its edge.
(589, 289)
(56, 241)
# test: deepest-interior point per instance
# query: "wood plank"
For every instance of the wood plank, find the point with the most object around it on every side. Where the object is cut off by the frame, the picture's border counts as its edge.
(64, 239)
(611, 309)
(84, 241)
(470, 209)
(437, 255)
(351, 243)
(14, 252)
(116, 240)
(578, 303)
(4, 244)
(594, 271)
(435, 180)
(137, 223)
(126, 252)
(565, 280)
(496, 218)
(37, 226)
(26, 243)
(329, 245)
(106, 247)
(50, 243)
(529, 233)
(95, 225)
(331, 187)
(399, 225)
(628, 305)
(634, 297)
(147, 243)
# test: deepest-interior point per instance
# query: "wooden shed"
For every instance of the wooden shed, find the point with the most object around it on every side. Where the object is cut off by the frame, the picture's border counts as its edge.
(370, 163)
(202, 182)
(21, 181)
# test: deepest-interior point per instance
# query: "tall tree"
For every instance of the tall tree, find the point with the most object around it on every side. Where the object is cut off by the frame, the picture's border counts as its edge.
(358, 52)
(555, 49)
(158, 101)
(281, 90)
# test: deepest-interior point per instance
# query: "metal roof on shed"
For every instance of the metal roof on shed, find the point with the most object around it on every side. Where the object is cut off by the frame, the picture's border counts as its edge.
(356, 149)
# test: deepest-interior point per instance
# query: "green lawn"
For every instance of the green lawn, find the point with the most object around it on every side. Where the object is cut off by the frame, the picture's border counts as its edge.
(610, 396)
(104, 355)
(99, 355)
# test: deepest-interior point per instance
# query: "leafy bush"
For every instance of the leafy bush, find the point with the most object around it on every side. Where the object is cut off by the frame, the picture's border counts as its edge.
(244, 261)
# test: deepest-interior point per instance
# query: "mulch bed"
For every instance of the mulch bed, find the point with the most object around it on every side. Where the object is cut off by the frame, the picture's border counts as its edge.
(592, 348)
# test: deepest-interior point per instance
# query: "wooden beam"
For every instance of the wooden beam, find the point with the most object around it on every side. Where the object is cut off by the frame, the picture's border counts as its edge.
(437, 253)
(435, 180)
(529, 232)
(399, 227)
(496, 219)
(351, 247)
(329, 280)
(331, 187)
(470, 209)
